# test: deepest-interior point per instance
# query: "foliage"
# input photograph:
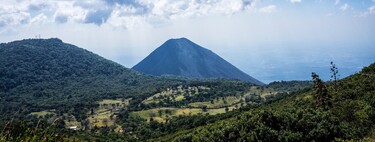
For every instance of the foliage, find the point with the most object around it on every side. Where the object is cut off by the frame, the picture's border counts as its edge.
(22, 131)
(321, 95)
(295, 118)
(334, 74)
(205, 91)
(290, 86)
(45, 74)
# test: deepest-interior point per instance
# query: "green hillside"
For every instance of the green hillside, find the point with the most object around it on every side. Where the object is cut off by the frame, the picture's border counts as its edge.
(349, 115)
(44, 74)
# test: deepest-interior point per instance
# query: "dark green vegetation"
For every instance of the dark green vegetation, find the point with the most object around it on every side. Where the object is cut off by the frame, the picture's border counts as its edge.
(22, 131)
(47, 86)
(338, 111)
(45, 74)
(290, 86)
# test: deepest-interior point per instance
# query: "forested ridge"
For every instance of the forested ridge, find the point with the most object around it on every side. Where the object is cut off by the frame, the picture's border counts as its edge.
(349, 115)
(41, 74)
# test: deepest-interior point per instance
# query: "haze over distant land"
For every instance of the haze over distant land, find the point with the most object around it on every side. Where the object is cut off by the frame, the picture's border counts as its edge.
(270, 40)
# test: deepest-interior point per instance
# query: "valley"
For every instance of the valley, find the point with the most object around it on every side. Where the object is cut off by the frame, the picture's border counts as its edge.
(155, 107)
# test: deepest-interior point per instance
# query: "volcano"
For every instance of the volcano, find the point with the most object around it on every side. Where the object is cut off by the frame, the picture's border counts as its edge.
(182, 57)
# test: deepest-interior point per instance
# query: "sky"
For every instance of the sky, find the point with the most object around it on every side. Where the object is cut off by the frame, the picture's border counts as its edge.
(268, 39)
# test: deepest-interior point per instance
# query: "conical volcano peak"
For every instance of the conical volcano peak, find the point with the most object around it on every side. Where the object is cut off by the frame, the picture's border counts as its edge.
(181, 39)
(183, 57)
(180, 43)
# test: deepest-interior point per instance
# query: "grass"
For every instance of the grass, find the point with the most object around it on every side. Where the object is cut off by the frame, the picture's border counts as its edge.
(117, 102)
(370, 137)
(102, 116)
(179, 98)
(109, 102)
(105, 114)
(43, 113)
(174, 112)
(102, 119)
(215, 106)
(175, 95)
(70, 121)
(263, 92)
(218, 103)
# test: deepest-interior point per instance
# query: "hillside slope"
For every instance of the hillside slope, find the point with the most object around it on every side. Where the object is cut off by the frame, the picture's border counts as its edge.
(182, 57)
(31, 61)
(43, 74)
(296, 118)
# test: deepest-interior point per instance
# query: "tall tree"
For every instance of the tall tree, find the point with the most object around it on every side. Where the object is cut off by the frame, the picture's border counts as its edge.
(334, 75)
(321, 94)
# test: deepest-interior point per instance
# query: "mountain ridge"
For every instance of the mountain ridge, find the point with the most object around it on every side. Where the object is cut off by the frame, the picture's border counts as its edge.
(47, 73)
(183, 57)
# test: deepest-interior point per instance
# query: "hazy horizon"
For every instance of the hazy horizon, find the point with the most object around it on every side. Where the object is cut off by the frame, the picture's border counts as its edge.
(269, 40)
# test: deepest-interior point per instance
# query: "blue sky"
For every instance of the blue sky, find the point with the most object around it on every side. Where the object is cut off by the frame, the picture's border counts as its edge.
(268, 39)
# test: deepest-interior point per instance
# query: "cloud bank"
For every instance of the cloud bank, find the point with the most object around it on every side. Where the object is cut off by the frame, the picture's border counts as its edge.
(132, 13)
(118, 13)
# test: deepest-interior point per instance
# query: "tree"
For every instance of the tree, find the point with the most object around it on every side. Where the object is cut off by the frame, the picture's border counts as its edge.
(204, 108)
(321, 95)
(334, 75)
(92, 111)
(167, 111)
(160, 112)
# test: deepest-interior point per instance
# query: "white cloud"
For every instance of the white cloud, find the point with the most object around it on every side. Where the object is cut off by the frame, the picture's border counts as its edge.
(11, 18)
(39, 19)
(148, 11)
(13, 15)
(268, 9)
(370, 11)
(122, 16)
(22, 12)
(182, 8)
(118, 12)
(67, 12)
(337, 2)
(295, 1)
(128, 13)
(345, 7)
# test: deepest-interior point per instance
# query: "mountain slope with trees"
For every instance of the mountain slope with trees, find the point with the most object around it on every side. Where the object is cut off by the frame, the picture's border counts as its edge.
(43, 74)
(341, 110)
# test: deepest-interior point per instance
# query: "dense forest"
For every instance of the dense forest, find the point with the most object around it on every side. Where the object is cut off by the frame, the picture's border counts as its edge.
(340, 110)
(53, 91)
(42, 74)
